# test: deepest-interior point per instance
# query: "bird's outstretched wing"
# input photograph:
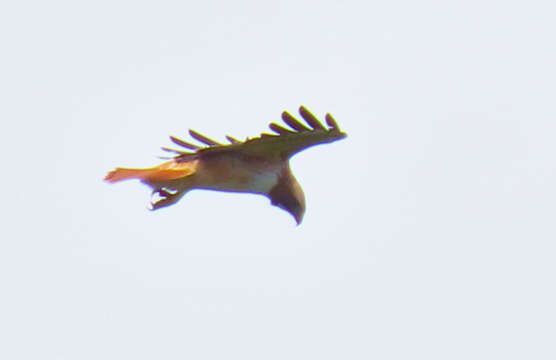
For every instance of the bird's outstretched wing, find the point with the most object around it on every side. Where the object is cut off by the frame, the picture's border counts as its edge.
(282, 144)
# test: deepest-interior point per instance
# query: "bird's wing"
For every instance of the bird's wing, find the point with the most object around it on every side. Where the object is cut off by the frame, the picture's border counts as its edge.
(282, 144)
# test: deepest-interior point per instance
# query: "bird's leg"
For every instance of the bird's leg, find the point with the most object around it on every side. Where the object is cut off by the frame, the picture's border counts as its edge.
(165, 197)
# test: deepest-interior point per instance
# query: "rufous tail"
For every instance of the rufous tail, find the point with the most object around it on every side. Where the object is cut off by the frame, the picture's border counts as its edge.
(120, 174)
(167, 171)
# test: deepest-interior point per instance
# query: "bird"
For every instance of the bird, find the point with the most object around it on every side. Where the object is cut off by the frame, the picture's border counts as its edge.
(259, 165)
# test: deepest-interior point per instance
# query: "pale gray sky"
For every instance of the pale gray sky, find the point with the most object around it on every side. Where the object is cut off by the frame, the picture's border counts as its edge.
(429, 231)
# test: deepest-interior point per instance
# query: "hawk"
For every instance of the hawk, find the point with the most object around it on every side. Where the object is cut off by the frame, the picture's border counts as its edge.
(259, 165)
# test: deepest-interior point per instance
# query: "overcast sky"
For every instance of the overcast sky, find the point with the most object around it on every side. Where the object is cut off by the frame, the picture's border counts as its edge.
(429, 232)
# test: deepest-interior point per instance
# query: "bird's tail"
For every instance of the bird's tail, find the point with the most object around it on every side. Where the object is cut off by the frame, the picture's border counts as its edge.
(120, 174)
(170, 170)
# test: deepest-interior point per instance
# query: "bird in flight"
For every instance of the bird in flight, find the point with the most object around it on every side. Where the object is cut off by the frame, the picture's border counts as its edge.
(259, 165)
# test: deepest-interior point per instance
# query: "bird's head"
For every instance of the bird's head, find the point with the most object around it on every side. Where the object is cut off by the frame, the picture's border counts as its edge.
(288, 195)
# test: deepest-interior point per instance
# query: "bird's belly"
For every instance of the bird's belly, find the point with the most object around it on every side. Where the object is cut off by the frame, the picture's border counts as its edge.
(237, 177)
(255, 183)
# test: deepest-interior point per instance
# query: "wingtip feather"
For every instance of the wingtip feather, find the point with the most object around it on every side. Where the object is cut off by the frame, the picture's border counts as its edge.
(183, 143)
(232, 139)
(331, 122)
(202, 138)
(293, 122)
(310, 118)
